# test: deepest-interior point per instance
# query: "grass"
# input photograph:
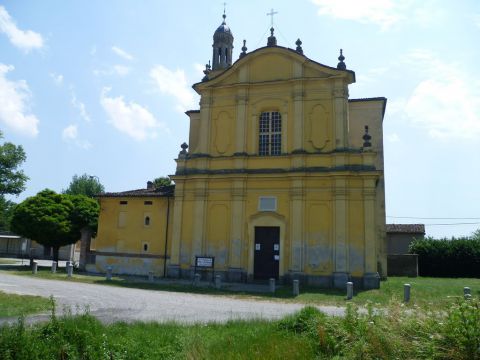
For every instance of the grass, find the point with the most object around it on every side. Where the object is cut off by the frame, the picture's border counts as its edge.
(7, 261)
(399, 333)
(15, 305)
(425, 292)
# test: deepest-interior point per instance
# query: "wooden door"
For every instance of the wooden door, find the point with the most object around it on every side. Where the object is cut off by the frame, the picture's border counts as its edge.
(267, 252)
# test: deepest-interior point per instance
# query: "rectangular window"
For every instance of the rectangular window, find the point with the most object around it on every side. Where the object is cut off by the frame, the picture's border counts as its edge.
(147, 203)
(123, 202)
(122, 219)
(270, 134)
(267, 203)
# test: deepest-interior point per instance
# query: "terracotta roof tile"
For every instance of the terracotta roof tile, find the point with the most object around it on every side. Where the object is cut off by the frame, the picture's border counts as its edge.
(406, 228)
(153, 192)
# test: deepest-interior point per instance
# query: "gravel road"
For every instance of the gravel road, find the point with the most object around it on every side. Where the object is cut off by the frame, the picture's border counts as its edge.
(110, 304)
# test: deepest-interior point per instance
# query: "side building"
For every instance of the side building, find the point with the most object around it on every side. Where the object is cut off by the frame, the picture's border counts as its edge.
(282, 178)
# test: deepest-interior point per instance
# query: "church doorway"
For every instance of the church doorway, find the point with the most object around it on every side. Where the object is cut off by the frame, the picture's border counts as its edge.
(267, 252)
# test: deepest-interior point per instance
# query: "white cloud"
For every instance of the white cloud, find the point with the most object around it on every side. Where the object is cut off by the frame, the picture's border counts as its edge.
(174, 83)
(14, 104)
(25, 40)
(70, 132)
(446, 101)
(121, 70)
(199, 68)
(384, 13)
(130, 118)
(122, 53)
(57, 78)
(80, 106)
(70, 135)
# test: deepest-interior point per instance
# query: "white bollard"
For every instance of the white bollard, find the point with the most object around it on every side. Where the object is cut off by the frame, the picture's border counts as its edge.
(69, 270)
(272, 285)
(467, 293)
(296, 287)
(218, 281)
(109, 273)
(349, 290)
(406, 292)
(54, 267)
(196, 279)
(34, 267)
(150, 276)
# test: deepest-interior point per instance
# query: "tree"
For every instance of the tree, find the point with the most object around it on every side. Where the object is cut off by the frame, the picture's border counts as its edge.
(85, 184)
(12, 179)
(6, 213)
(162, 181)
(54, 219)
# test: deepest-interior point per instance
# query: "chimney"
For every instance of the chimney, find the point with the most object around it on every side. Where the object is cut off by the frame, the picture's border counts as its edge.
(150, 185)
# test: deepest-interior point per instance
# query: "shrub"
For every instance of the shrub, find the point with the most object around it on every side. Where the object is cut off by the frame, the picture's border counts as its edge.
(448, 258)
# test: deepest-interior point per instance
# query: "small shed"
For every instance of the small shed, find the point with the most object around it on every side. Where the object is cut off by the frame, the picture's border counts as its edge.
(13, 245)
(399, 237)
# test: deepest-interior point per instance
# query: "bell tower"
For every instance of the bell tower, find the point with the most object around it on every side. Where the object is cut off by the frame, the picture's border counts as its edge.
(222, 46)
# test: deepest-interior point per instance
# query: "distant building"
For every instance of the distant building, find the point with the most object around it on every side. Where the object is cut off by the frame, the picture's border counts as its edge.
(282, 178)
(13, 245)
(399, 237)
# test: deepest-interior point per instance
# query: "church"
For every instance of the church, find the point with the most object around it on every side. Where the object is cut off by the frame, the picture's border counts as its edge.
(282, 177)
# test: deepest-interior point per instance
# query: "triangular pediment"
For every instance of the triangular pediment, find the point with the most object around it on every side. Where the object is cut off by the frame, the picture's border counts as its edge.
(271, 64)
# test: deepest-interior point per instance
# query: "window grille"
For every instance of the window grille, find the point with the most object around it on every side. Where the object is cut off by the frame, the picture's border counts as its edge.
(270, 134)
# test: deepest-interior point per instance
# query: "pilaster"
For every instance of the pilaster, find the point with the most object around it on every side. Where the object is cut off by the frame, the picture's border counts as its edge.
(241, 122)
(205, 115)
(340, 103)
(198, 237)
(174, 264)
(340, 232)
(238, 218)
(370, 238)
(298, 121)
(297, 201)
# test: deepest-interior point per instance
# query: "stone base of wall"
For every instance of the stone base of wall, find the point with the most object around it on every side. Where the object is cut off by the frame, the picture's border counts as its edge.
(402, 265)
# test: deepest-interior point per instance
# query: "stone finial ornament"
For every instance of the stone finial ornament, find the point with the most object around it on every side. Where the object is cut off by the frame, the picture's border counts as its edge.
(272, 40)
(299, 46)
(183, 154)
(366, 138)
(244, 49)
(207, 70)
(341, 65)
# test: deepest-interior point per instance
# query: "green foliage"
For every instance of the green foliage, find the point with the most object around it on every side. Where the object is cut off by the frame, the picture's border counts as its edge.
(12, 179)
(458, 257)
(399, 333)
(463, 329)
(14, 305)
(54, 219)
(6, 213)
(84, 213)
(87, 185)
(162, 181)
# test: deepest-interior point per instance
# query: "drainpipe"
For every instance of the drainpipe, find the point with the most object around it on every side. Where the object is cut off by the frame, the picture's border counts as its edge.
(166, 239)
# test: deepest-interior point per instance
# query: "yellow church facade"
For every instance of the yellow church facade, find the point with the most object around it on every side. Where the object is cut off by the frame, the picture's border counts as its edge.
(282, 178)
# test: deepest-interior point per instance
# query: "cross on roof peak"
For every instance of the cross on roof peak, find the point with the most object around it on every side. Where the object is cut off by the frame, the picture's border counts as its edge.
(271, 13)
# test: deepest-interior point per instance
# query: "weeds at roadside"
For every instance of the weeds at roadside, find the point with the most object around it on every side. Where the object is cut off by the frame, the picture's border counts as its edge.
(397, 332)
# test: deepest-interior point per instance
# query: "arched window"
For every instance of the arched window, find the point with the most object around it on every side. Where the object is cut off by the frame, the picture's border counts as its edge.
(270, 133)
(147, 220)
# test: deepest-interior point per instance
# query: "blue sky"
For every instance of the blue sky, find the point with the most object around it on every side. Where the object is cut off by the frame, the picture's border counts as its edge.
(101, 87)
